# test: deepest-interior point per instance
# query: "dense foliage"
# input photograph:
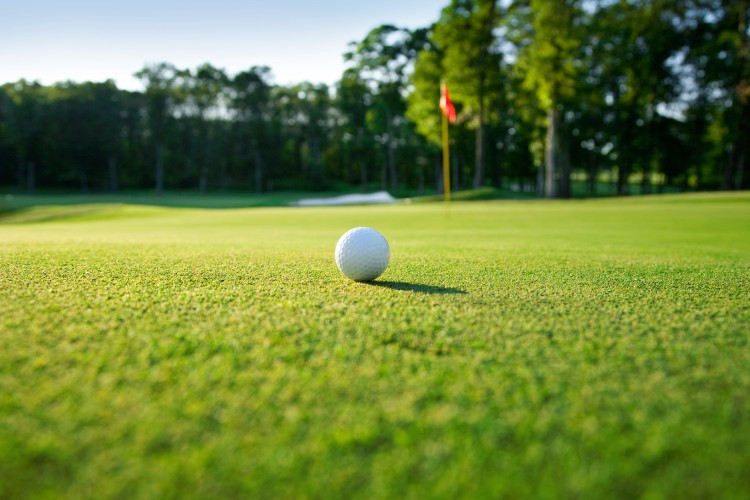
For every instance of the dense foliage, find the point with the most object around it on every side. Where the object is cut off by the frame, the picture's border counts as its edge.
(552, 96)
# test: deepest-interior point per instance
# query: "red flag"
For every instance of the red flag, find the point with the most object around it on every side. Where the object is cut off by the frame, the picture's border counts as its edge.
(446, 104)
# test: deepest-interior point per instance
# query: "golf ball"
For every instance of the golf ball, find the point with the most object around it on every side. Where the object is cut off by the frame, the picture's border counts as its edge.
(362, 254)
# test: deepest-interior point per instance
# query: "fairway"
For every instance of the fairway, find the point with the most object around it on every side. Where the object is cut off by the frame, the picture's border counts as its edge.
(595, 348)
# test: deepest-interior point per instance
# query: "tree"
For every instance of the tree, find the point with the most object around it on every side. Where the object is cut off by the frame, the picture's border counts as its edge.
(5, 143)
(24, 113)
(383, 61)
(304, 112)
(82, 135)
(105, 110)
(719, 33)
(634, 44)
(655, 90)
(471, 64)
(423, 100)
(203, 93)
(251, 101)
(549, 60)
(161, 81)
(352, 101)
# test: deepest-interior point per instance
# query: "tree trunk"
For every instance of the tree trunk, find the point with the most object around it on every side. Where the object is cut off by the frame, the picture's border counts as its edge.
(204, 161)
(551, 154)
(359, 157)
(84, 180)
(203, 179)
(391, 151)
(299, 157)
(743, 143)
(223, 177)
(480, 160)
(743, 91)
(456, 173)
(564, 166)
(540, 176)
(20, 171)
(439, 186)
(622, 179)
(112, 169)
(734, 171)
(159, 174)
(479, 165)
(650, 154)
(315, 173)
(497, 173)
(31, 177)
(645, 181)
(728, 184)
(258, 171)
(626, 152)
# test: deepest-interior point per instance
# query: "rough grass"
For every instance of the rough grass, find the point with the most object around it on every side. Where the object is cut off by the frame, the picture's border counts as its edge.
(512, 349)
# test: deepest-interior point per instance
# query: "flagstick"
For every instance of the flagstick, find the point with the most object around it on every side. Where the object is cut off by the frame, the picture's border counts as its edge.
(446, 162)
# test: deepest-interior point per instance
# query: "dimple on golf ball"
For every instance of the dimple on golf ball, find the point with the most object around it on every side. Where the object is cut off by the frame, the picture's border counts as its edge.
(362, 254)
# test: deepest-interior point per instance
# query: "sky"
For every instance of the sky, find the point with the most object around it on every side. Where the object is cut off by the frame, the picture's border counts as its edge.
(84, 40)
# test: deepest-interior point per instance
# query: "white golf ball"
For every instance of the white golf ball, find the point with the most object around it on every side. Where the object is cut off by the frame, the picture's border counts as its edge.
(362, 254)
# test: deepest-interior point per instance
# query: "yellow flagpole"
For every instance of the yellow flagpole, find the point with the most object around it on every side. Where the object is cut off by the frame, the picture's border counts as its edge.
(446, 162)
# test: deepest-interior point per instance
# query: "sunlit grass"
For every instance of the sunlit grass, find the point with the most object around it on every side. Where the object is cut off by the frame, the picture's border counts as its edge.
(588, 348)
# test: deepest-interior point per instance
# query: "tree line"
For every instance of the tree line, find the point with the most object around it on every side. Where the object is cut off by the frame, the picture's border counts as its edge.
(553, 97)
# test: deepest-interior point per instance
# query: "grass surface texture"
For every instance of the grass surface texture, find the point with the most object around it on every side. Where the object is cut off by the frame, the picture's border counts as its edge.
(512, 349)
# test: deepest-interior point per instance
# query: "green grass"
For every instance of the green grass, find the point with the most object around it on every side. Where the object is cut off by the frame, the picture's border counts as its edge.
(482, 194)
(583, 349)
(12, 202)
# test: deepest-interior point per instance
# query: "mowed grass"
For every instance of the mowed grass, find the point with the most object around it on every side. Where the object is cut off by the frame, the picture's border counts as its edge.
(512, 349)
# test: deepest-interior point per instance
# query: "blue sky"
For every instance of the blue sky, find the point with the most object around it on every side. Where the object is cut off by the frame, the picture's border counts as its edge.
(81, 40)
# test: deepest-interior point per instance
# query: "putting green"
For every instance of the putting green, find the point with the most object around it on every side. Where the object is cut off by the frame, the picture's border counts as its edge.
(580, 348)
